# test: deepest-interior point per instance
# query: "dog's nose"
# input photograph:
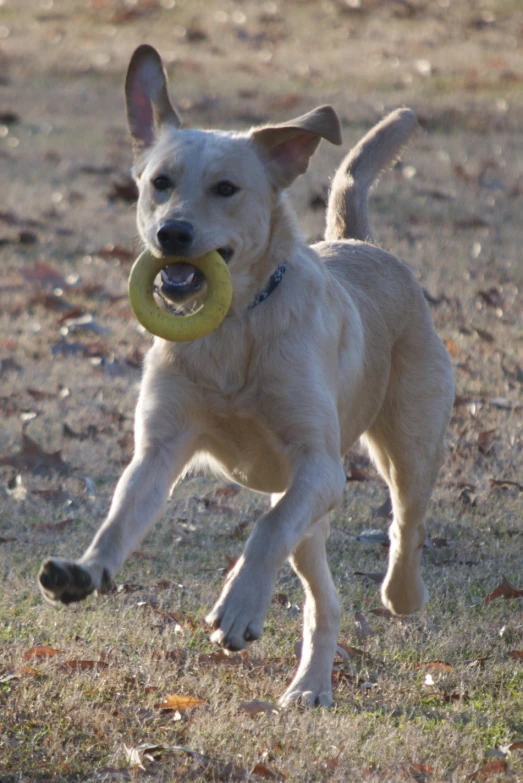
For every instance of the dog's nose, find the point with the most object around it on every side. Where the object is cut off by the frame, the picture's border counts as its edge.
(175, 237)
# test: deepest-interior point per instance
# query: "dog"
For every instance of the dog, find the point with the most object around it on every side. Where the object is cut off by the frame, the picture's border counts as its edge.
(322, 346)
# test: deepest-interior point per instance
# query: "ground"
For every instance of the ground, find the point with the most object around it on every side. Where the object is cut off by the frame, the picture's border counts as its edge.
(435, 697)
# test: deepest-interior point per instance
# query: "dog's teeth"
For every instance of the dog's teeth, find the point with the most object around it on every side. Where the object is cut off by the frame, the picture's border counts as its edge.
(190, 278)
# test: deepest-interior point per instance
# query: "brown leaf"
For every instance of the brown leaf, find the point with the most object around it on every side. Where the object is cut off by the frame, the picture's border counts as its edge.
(331, 764)
(81, 664)
(384, 511)
(511, 746)
(41, 651)
(505, 484)
(43, 274)
(263, 771)
(356, 473)
(221, 657)
(374, 577)
(484, 335)
(32, 457)
(380, 611)
(517, 655)
(39, 394)
(180, 703)
(361, 626)
(435, 666)
(484, 441)
(452, 348)
(116, 251)
(138, 555)
(256, 706)
(503, 590)
(351, 652)
(123, 190)
(231, 561)
(52, 526)
(490, 768)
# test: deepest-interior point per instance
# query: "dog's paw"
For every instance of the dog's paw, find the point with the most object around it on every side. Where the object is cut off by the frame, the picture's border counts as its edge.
(64, 582)
(301, 694)
(239, 614)
(404, 595)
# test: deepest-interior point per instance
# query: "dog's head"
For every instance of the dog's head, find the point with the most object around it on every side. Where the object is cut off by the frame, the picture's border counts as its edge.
(205, 190)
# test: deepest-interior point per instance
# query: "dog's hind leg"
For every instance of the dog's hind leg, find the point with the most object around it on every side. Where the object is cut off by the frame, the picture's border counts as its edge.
(406, 442)
(321, 621)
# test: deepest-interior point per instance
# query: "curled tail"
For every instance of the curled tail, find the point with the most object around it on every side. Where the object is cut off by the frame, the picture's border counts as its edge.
(347, 209)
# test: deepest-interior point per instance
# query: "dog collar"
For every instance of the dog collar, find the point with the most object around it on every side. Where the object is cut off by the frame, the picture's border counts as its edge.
(273, 282)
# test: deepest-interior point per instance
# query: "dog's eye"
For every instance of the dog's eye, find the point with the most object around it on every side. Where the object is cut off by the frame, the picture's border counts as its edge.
(161, 183)
(225, 189)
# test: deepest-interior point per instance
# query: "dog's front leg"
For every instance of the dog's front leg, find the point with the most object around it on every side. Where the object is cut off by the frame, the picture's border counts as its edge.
(315, 489)
(137, 503)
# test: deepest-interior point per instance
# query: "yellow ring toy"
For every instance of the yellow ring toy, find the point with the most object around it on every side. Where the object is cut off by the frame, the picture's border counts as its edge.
(173, 327)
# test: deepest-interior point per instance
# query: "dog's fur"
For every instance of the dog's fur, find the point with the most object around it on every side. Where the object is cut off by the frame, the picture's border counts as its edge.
(343, 348)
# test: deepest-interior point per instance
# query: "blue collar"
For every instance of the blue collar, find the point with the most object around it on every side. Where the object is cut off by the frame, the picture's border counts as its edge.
(273, 282)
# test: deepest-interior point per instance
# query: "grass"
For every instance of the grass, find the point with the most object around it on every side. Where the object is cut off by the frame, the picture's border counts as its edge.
(77, 715)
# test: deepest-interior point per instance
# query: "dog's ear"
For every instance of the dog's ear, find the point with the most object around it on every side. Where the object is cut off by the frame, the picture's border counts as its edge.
(148, 104)
(288, 147)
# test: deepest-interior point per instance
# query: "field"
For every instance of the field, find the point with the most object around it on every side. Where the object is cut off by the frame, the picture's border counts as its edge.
(91, 692)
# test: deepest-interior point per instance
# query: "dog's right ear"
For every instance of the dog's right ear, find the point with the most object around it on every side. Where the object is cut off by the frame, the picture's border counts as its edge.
(148, 104)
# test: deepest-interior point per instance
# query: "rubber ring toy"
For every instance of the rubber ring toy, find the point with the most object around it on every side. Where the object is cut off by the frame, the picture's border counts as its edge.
(180, 328)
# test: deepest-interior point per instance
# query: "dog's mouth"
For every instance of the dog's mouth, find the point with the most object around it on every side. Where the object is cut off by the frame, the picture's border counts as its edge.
(183, 281)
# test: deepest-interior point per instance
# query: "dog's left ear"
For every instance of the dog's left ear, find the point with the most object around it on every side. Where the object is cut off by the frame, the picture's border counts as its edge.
(287, 148)
(147, 99)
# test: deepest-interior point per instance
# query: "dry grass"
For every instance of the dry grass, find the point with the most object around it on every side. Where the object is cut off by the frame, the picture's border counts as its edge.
(452, 210)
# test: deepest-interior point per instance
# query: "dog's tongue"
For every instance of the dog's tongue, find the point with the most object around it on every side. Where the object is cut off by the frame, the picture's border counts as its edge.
(179, 274)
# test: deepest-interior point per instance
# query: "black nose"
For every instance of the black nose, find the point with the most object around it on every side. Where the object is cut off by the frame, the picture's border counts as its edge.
(175, 237)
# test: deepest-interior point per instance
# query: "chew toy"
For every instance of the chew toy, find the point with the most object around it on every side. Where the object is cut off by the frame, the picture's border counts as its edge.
(180, 328)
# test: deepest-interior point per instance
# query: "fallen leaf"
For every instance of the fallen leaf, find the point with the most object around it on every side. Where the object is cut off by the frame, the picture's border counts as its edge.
(361, 626)
(374, 577)
(503, 590)
(347, 651)
(84, 665)
(117, 251)
(263, 771)
(490, 768)
(175, 702)
(512, 746)
(380, 611)
(256, 706)
(517, 655)
(506, 484)
(41, 651)
(356, 473)
(133, 758)
(123, 190)
(32, 457)
(43, 274)
(452, 348)
(221, 657)
(384, 511)
(52, 526)
(435, 666)
(484, 441)
(331, 764)
(231, 561)
(138, 555)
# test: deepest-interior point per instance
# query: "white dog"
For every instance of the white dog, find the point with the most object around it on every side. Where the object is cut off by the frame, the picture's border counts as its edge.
(322, 345)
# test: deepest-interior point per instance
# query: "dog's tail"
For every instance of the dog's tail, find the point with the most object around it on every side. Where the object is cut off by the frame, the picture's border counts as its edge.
(347, 209)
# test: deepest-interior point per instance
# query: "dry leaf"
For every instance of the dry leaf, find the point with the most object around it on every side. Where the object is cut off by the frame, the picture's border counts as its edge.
(263, 771)
(78, 664)
(490, 768)
(452, 348)
(41, 651)
(380, 611)
(347, 651)
(361, 626)
(133, 758)
(32, 457)
(517, 655)
(435, 666)
(256, 706)
(503, 590)
(52, 526)
(511, 746)
(484, 441)
(180, 703)
(374, 577)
